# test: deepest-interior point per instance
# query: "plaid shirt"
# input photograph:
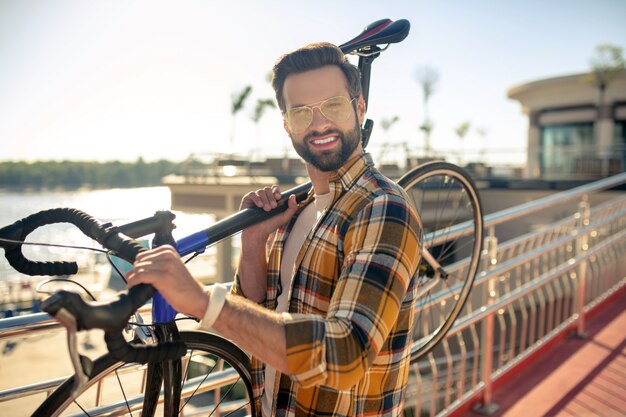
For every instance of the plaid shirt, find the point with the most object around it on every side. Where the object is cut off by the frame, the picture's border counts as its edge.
(350, 314)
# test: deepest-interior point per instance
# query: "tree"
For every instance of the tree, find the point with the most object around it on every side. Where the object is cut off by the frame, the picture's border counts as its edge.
(386, 125)
(259, 111)
(427, 77)
(483, 132)
(461, 131)
(238, 101)
(606, 64)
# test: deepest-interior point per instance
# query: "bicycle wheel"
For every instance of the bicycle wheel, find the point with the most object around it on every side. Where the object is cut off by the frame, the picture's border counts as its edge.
(216, 382)
(447, 200)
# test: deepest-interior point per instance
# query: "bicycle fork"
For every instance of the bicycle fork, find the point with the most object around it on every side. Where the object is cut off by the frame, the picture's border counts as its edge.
(166, 374)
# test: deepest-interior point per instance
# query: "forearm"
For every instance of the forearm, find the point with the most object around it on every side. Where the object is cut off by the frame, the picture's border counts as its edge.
(252, 269)
(255, 329)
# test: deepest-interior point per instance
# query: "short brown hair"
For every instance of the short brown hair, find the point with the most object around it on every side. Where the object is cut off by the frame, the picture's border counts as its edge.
(310, 57)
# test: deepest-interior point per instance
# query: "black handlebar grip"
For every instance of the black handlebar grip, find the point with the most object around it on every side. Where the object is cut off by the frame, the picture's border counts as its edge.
(22, 228)
(106, 236)
(122, 351)
(20, 263)
(13, 251)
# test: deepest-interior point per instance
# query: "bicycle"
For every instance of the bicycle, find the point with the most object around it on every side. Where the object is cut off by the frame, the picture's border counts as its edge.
(182, 361)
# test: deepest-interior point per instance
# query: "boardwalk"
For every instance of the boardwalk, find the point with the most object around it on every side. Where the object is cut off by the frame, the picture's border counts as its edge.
(578, 377)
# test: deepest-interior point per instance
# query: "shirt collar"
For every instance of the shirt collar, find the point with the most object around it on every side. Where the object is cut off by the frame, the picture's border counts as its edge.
(351, 171)
(343, 179)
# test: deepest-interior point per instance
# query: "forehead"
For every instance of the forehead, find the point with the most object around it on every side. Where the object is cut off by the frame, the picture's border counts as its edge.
(314, 85)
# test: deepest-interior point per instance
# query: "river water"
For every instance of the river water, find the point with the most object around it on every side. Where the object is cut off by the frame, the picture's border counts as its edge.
(118, 206)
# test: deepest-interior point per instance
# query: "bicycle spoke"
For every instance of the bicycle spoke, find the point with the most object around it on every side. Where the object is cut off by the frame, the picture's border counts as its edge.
(199, 385)
(235, 410)
(222, 397)
(123, 393)
(82, 409)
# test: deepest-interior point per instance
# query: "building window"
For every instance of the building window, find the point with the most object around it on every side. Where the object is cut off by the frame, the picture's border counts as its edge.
(566, 149)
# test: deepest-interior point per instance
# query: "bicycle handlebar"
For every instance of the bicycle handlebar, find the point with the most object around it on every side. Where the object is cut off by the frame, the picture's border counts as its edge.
(69, 307)
(104, 234)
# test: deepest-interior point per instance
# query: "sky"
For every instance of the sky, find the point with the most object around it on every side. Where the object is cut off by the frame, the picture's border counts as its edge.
(120, 80)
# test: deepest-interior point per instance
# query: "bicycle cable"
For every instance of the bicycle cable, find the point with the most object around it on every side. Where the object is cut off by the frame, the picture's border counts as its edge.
(67, 280)
(54, 245)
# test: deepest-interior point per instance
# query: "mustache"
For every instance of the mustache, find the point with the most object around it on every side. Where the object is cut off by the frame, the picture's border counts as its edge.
(314, 135)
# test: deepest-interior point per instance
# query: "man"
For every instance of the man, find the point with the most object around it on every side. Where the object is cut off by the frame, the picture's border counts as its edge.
(327, 314)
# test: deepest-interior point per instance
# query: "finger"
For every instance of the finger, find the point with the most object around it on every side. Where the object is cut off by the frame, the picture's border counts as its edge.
(139, 276)
(160, 251)
(267, 198)
(276, 192)
(251, 200)
(292, 207)
(272, 196)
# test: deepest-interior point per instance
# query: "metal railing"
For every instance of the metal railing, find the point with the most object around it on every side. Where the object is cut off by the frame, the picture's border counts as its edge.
(531, 289)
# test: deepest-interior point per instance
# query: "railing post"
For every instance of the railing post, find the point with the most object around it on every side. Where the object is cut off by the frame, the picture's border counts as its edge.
(488, 407)
(582, 245)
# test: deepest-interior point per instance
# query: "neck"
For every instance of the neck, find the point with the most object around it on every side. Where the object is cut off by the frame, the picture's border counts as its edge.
(319, 179)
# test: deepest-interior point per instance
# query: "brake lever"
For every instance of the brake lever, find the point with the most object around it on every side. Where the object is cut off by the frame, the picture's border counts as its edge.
(143, 333)
(82, 364)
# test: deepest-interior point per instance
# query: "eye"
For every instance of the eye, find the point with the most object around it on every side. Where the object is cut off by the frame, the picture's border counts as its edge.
(337, 108)
(300, 112)
(299, 118)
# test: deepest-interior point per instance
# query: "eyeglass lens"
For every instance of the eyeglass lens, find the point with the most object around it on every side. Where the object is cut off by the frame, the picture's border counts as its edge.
(336, 109)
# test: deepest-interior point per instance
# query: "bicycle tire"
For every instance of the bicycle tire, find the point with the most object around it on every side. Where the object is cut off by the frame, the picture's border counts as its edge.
(210, 347)
(445, 197)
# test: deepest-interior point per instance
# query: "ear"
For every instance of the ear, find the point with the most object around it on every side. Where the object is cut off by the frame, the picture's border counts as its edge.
(285, 127)
(360, 109)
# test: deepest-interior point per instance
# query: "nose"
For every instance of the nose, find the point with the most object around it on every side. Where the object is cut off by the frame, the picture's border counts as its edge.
(318, 121)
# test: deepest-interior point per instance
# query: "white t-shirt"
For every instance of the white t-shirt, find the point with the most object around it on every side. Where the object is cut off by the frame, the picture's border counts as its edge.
(301, 229)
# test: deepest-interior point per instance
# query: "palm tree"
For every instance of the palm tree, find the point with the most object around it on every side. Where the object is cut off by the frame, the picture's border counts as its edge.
(461, 131)
(259, 111)
(386, 125)
(427, 77)
(483, 132)
(237, 103)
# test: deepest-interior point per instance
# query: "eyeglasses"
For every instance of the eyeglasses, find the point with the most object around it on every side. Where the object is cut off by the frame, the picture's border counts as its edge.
(335, 109)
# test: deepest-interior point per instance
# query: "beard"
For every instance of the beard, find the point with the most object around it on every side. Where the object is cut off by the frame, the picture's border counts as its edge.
(330, 160)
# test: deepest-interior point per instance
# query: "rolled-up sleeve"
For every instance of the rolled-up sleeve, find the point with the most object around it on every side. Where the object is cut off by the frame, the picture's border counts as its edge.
(381, 254)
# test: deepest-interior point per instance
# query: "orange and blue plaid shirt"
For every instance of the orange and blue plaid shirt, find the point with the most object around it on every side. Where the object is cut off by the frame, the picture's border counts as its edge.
(350, 313)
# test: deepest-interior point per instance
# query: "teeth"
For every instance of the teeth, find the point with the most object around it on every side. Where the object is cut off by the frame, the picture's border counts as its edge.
(323, 141)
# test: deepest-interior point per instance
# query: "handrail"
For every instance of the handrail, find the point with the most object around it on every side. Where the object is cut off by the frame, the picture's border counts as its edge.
(552, 200)
(502, 216)
(525, 289)
(27, 324)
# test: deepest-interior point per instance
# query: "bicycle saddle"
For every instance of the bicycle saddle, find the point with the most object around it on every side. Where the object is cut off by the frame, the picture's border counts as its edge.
(384, 31)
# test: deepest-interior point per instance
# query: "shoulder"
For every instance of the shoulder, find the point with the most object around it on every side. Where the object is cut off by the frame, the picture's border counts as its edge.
(374, 194)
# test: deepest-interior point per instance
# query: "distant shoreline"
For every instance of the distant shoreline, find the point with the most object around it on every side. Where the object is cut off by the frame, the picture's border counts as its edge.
(75, 175)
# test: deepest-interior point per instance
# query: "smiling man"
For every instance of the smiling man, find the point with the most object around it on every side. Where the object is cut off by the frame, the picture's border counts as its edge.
(327, 313)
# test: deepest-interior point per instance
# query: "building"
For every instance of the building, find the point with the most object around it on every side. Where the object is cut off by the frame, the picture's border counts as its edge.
(577, 130)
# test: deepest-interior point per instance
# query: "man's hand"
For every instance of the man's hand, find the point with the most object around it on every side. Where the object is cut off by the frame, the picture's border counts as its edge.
(253, 259)
(266, 199)
(164, 270)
